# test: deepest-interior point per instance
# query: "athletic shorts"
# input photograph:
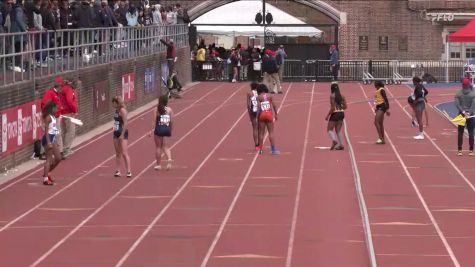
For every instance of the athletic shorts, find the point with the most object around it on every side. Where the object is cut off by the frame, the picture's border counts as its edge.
(419, 106)
(52, 139)
(337, 116)
(381, 107)
(252, 114)
(265, 116)
(163, 130)
(117, 134)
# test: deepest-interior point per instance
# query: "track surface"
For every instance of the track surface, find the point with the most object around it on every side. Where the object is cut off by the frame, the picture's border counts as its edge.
(222, 205)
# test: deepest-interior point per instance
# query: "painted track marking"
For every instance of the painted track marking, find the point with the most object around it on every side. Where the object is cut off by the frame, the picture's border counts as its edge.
(419, 195)
(72, 232)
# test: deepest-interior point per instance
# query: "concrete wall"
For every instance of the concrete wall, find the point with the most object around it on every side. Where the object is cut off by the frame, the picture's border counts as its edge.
(108, 76)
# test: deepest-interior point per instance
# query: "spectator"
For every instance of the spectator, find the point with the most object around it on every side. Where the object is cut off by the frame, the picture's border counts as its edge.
(42, 37)
(18, 25)
(82, 16)
(270, 69)
(70, 108)
(3, 16)
(97, 16)
(171, 54)
(65, 22)
(163, 13)
(334, 61)
(29, 10)
(200, 59)
(170, 16)
(235, 59)
(108, 16)
(156, 15)
(180, 14)
(255, 66)
(132, 16)
(120, 14)
(281, 56)
(49, 24)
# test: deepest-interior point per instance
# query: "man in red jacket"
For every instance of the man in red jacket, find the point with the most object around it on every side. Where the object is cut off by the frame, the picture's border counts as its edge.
(53, 94)
(69, 103)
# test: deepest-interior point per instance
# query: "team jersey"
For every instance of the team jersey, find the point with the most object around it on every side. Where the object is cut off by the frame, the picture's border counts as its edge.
(254, 102)
(266, 104)
(378, 97)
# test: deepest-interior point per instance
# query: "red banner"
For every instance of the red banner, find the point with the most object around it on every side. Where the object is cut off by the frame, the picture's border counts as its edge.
(128, 87)
(21, 125)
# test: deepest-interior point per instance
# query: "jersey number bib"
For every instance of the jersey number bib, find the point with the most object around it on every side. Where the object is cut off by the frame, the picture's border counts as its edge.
(165, 120)
(265, 106)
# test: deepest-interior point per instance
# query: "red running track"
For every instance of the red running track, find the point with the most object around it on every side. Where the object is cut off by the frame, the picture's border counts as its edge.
(222, 205)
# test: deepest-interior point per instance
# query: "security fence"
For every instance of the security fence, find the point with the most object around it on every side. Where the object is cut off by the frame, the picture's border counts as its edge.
(390, 71)
(26, 56)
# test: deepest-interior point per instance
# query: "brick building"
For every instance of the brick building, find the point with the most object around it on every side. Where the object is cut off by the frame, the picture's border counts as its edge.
(377, 29)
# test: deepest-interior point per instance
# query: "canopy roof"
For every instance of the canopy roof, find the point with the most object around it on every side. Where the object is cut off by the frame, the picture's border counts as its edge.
(244, 12)
(465, 35)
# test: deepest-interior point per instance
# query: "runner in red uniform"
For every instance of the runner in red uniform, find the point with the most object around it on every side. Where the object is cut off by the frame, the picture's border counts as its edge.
(267, 114)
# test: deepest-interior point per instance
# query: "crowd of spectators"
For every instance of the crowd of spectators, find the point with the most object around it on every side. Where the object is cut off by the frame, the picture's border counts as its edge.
(41, 16)
(252, 63)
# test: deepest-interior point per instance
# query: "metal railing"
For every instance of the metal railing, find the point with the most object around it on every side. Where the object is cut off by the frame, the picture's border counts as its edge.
(350, 70)
(30, 55)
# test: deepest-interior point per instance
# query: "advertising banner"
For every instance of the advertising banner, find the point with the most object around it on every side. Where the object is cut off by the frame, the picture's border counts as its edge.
(128, 87)
(21, 125)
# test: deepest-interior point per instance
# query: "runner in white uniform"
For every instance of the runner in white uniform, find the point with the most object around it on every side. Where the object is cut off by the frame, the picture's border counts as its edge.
(53, 156)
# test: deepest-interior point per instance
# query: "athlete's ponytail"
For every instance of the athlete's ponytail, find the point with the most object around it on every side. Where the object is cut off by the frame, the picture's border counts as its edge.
(162, 104)
(335, 89)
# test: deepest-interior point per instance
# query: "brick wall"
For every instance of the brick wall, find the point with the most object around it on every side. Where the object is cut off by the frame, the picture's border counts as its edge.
(85, 80)
(396, 19)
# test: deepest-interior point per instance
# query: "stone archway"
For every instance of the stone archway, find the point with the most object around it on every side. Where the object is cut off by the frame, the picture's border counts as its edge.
(322, 6)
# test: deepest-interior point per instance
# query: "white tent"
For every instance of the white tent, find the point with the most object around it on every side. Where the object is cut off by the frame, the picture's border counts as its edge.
(244, 12)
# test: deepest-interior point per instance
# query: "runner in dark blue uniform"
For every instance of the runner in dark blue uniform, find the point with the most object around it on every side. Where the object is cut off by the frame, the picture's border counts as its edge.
(162, 128)
(120, 135)
(252, 108)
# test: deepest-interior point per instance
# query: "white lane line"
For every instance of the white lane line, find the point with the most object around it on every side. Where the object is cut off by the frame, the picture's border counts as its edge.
(72, 232)
(238, 193)
(177, 194)
(94, 139)
(419, 195)
(361, 200)
(290, 247)
(86, 174)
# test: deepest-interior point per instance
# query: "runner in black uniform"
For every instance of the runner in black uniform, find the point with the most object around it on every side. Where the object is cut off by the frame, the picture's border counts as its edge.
(253, 108)
(120, 135)
(162, 127)
(335, 117)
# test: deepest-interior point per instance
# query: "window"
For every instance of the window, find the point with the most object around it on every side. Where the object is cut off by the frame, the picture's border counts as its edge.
(402, 43)
(470, 52)
(383, 43)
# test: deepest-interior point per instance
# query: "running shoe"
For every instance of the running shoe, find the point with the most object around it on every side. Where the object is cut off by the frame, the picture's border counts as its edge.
(380, 142)
(333, 145)
(158, 167)
(261, 152)
(169, 165)
(419, 136)
(50, 178)
(258, 148)
(339, 148)
(459, 153)
(471, 153)
(47, 181)
(129, 174)
(117, 174)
